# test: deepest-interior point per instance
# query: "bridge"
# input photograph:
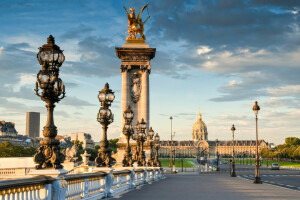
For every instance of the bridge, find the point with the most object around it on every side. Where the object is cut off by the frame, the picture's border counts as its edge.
(149, 183)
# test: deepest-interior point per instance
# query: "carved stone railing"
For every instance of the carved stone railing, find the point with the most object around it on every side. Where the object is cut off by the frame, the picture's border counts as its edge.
(11, 172)
(27, 188)
(91, 185)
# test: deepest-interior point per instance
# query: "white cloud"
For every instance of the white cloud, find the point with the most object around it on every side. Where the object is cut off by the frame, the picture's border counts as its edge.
(24, 79)
(285, 90)
(203, 50)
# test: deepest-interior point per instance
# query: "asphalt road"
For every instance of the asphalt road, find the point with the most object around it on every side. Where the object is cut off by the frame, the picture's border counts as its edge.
(283, 178)
(219, 185)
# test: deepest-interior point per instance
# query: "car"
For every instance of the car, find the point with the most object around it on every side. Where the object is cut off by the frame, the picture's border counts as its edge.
(275, 166)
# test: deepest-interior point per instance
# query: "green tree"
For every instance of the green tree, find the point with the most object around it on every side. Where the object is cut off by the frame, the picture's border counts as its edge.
(292, 141)
(9, 150)
(113, 144)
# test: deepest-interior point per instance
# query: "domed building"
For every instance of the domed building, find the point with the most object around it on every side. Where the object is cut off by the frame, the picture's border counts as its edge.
(199, 129)
(200, 146)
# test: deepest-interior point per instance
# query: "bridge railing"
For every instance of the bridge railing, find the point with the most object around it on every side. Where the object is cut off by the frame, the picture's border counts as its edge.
(90, 185)
(27, 188)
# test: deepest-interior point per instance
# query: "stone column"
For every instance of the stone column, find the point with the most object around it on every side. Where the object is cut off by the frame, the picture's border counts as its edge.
(124, 100)
(144, 110)
(135, 69)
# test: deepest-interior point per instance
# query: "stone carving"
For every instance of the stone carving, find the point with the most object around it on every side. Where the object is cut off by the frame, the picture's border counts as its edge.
(71, 154)
(136, 87)
(135, 58)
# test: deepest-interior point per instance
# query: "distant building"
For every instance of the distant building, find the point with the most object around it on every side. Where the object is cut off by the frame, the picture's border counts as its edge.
(33, 124)
(200, 146)
(86, 138)
(7, 129)
(65, 141)
(9, 134)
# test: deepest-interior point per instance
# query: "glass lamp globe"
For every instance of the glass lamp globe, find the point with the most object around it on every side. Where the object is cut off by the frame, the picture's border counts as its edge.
(256, 108)
(50, 54)
(150, 132)
(143, 124)
(101, 96)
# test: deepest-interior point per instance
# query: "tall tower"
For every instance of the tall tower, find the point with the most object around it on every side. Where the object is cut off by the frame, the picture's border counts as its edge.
(33, 124)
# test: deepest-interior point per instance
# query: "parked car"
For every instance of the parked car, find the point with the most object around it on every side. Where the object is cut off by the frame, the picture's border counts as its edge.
(275, 166)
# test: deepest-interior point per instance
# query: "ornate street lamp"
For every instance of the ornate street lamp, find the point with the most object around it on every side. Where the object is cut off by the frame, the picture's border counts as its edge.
(141, 138)
(218, 167)
(233, 174)
(53, 90)
(105, 117)
(150, 161)
(257, 179)
(128, 131)
(156, 146)
(136, 152)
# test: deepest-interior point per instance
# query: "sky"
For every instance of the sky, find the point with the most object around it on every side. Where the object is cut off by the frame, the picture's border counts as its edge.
(216, 56)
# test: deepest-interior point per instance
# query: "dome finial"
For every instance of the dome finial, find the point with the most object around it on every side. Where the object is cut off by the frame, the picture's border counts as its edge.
(199, 116)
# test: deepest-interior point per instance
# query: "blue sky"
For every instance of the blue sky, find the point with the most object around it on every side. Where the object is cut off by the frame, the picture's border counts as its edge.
(217, 56)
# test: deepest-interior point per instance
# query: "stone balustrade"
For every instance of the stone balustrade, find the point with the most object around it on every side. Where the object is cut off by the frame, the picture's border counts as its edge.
(91, 185)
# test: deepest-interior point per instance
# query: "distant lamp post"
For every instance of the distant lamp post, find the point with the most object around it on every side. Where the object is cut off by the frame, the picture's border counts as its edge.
(218, 167)
(141, 137)
(150, 161)
(156, 146)
(105, 117)
(53, 90)
(128, 131)
(257, 179)
(233, 174)
(171, 151)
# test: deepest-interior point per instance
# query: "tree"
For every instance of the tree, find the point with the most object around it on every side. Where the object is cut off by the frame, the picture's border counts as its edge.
(9, 150)
(113, 144)
(77, 143)
(292, 141)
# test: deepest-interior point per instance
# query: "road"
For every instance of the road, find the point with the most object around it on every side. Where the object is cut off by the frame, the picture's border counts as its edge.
(219, 185)
(283, 178)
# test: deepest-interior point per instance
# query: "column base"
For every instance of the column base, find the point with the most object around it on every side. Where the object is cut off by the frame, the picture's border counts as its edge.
(257, 180)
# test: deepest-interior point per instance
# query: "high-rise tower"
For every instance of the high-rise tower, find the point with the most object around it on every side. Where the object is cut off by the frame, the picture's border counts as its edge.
(33, 124)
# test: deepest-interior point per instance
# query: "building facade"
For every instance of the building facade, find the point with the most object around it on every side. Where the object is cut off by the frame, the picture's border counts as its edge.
(7, 129)
(33, 124)
(85, 138)
(200, 146)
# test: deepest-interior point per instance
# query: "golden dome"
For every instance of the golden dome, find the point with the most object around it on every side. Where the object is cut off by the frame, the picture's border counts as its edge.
(199, 129)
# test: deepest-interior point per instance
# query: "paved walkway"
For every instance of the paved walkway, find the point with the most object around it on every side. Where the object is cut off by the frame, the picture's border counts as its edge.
(208, 186)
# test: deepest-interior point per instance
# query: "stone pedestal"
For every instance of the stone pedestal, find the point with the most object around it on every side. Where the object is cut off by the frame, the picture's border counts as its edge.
(135, 69)
(59, 185)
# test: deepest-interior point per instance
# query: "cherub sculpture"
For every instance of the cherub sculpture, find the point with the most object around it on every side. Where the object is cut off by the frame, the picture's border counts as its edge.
(136, 25)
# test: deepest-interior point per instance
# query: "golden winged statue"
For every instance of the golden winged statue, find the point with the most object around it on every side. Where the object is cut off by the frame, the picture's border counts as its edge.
(136, 24)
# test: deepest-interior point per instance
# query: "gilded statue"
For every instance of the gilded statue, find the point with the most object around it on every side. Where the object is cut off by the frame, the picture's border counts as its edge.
(136, 24)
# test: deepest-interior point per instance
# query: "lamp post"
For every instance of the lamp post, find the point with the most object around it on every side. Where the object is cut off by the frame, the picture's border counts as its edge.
(150, 161)
(141, 137)
(218, 167)
(171, 151)
(257, 179)
(156, 146)
(105, 117)
(128, 131)
(53, 90)
(233, 174)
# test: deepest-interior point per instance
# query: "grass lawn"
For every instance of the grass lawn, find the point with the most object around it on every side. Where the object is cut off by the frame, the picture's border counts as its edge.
(187, 162)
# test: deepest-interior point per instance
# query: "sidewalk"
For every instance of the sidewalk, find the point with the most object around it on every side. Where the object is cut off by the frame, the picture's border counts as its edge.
(208, 186)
